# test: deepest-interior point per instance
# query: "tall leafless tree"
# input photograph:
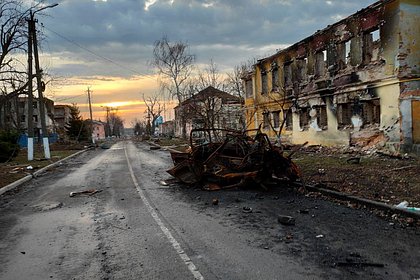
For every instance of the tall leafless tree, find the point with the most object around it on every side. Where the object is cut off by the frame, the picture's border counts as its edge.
(210, 76)
(13, 41)
(174, 64)
(154, 110)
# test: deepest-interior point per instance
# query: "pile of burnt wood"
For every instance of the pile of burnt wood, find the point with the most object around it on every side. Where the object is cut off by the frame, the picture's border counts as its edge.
(228, 159)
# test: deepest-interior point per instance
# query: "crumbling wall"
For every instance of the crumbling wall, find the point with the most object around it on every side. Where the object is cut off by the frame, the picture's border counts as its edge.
(344, 82)
(315, 135)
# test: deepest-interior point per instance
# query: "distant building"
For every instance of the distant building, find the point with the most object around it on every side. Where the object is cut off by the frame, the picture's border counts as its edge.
(62, 116)
(209, 108)
(17, 116)
(98, 130)
(167, 128)
(356, 82)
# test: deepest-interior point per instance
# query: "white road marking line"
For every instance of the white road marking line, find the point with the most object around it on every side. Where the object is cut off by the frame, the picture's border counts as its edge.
(175, 244)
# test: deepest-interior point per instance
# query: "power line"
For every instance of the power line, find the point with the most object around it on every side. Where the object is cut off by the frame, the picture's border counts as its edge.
(100, 56)
(68, 98)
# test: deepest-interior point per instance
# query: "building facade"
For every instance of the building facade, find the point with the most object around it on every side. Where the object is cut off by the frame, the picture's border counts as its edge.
(98, 130)
(209, 108)
(17, 115)
(355, 82)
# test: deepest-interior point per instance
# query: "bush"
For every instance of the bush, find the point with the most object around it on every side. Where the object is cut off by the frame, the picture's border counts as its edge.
(9, 147)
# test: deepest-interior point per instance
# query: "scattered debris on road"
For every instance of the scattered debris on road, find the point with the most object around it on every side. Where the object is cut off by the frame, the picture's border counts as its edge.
(230, 159)
(46, 206)
(87, 192)
(246, 209)
(286, 220)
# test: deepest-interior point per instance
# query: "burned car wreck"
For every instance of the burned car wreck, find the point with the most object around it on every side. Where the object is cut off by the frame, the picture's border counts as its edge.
(228, 159)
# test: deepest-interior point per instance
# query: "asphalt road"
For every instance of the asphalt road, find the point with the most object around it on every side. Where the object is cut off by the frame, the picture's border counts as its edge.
(138, 228)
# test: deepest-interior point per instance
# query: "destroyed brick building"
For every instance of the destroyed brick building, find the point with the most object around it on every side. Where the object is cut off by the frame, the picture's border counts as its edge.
(356, 82)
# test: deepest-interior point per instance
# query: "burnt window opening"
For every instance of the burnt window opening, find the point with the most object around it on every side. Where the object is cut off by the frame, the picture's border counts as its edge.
(274, 76)
(320, 63)
(35, 118)
(21, 104)
(264, 82)
(302, 66)
(347, 52)
(248, 88)
(304, 118)
(371, 113)
(266, 120)
(35, 105)
(289, 92)
(276, 119)
(287, 116)
(22, 118)
(287, 74)
(344, 113)
(371, 46)
(321, 117)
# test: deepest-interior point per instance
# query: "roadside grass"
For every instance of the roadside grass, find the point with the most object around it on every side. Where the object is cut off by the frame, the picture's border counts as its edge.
(17, 167)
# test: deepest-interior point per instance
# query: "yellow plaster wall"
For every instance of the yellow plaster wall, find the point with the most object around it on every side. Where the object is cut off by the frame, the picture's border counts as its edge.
(390, 113)
(331, 136)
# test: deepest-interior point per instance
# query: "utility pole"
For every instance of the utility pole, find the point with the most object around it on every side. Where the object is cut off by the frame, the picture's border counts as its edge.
(41, 88)
(32, 42)
(30, 120)
(91, 119)
(108, 125)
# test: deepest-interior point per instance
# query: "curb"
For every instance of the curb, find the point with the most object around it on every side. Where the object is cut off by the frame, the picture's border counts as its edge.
(364, 201)
(37, 173)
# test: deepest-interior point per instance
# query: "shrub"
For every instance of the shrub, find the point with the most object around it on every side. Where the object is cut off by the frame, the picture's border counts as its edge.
(9, 147)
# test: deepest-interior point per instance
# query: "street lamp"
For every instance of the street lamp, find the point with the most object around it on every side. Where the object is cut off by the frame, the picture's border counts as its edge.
(32, 42)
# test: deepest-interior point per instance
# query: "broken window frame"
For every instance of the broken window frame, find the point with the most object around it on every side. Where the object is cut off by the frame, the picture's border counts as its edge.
(320, 63)
(344, 114)
(371, 112)
(302, 69)
(287, 74)
(264, 81)
(266, 120)
(371, 45)
(276, 119)
(304, 118)
(321, 116)
(288, 117)
(249, 88)
(275, 81)
(347, 52)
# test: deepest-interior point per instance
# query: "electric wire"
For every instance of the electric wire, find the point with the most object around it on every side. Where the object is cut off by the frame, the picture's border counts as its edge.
(101, 56)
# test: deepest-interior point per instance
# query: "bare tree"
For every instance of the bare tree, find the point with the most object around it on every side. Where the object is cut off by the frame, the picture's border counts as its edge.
(174, 64)
(116, 124)
(154, 110)
(13, 40)
(209, 77)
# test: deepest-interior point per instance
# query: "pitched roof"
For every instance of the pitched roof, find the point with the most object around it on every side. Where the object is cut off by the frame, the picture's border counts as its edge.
(210, 92)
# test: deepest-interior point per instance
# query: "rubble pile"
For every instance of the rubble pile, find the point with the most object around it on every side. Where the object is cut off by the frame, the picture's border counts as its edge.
(228, 159)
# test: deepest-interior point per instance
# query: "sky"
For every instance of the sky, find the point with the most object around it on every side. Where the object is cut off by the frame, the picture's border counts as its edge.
(107, 45)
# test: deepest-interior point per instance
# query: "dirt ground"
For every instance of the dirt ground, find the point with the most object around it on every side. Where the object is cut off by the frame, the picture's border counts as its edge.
(372, 176)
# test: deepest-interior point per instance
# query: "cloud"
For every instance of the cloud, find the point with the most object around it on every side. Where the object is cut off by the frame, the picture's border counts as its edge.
(108, 44)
